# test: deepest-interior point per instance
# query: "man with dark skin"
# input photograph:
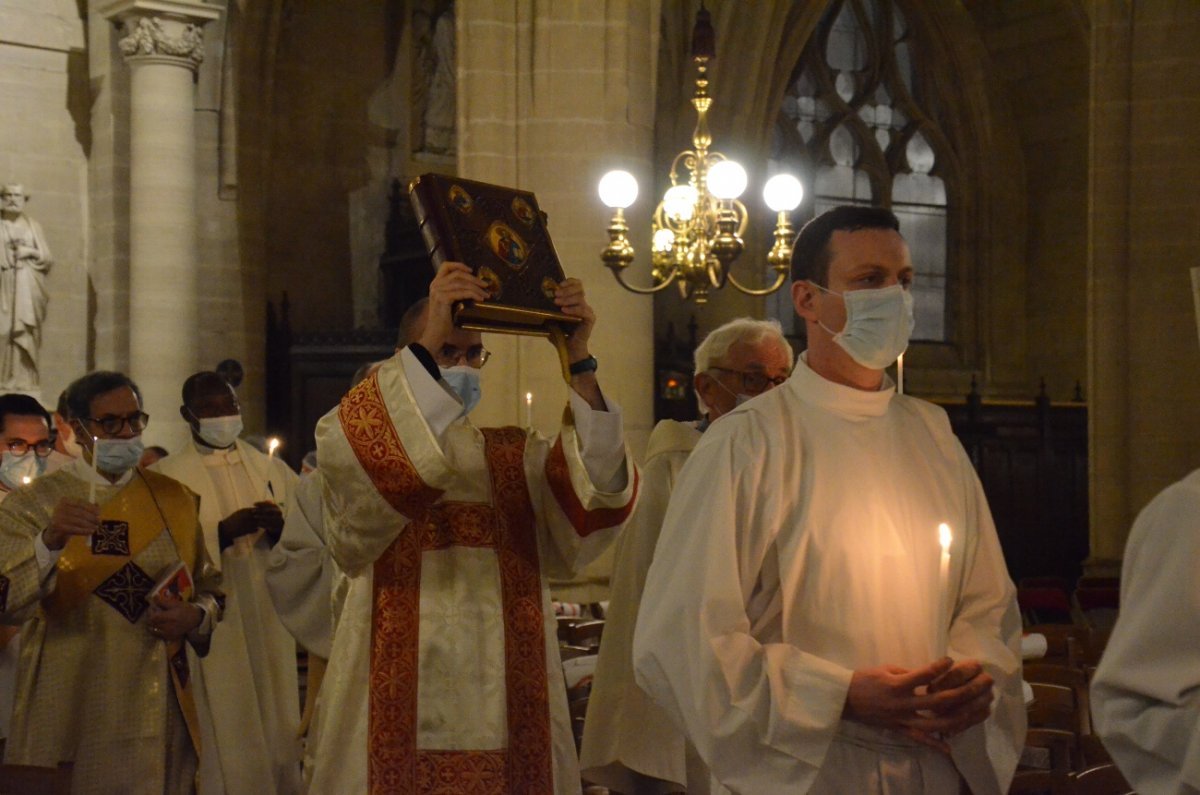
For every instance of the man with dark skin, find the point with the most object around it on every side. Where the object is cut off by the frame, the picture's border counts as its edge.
(208, 396)
(246, 690)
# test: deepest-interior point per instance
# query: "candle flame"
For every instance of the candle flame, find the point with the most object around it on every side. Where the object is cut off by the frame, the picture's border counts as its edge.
(528, 398)
(944, 536)
(26, 480)
(273, 444)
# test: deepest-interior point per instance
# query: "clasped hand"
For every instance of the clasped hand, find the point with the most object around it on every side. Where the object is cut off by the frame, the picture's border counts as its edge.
(266, 515)
(925, 704)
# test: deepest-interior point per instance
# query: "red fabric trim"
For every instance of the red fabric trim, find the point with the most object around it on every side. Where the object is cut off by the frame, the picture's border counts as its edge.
(585, 522)
(395, 765)
(529, 741)
(461, 773)
(376, 444)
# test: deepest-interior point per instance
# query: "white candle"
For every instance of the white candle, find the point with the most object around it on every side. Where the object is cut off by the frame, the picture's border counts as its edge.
(95, 473)
(272, 445)
(528, 409)
(900, 375)
(943, 618)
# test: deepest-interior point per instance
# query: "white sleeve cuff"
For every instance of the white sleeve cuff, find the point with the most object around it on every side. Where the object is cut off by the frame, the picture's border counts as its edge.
(435, 402)
(46, 557)
(601, 443)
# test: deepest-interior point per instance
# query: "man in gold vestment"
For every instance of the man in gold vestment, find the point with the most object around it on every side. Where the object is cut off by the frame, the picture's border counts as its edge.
(103, 681)
(445, 675)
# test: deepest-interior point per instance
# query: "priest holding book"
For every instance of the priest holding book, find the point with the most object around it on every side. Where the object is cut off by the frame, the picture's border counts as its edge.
(104, 680)
(445, 674)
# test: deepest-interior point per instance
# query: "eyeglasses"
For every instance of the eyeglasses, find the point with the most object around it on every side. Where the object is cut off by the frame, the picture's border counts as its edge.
(113, 425)
(40, 449)
(754, 382)
(449, 355)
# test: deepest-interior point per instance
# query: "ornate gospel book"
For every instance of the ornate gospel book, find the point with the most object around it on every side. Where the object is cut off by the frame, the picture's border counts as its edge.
(500, 234)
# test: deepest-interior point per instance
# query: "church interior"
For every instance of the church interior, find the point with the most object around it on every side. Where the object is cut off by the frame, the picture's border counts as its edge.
(245, 196)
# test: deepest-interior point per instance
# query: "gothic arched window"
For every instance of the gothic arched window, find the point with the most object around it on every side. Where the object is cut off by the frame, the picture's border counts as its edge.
(860, 126)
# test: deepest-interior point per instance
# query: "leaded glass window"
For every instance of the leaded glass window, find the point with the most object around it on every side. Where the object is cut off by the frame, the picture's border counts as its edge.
(859, 125)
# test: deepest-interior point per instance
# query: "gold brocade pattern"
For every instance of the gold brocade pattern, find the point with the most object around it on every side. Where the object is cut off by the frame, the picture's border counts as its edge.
(93, 688)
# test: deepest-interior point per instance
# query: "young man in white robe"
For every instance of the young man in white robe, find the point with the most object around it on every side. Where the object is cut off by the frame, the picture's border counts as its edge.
(445, 675)
(246, 689)
(798, 620)
(1146, 691)
(24, 445)
(735, 362)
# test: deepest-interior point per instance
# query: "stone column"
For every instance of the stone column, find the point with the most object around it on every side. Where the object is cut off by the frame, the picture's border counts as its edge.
(163, 45)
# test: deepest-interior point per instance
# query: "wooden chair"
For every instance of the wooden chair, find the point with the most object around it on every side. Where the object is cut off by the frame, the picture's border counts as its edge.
(585, 633)
(1066, 676)
(1054, 707)
(33, 780)
(1098, 605)
(564, 626)
(1042, 782)
(1044, 606)
(1062, 641)
(1060, 747)
(1092, 752)
(1102, 780)
(567, 652)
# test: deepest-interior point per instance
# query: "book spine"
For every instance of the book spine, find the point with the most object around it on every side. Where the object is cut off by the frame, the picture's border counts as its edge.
(426, 209)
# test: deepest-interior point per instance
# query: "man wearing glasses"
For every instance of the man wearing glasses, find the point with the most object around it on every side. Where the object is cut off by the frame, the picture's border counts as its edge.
(444, 672)
(734, 363)
(103, 680)
(25, 442)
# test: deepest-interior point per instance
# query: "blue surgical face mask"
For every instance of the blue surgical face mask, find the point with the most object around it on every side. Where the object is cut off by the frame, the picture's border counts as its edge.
(219, 432)
(118, 456)
(464, 381)
(15, 468)
(878, 324)
(738, 397)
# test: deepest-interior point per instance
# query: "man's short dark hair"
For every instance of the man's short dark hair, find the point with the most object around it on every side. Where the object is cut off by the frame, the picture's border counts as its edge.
(205, 382)
(810, 253)
(22, 406)
(411, 322)
(83, 391)
(60, 408)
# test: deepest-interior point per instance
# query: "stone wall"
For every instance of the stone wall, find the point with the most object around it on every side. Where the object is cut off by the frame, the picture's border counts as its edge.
(45, 139)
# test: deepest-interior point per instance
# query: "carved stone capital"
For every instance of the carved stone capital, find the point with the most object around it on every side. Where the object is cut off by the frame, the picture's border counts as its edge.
(169, 31)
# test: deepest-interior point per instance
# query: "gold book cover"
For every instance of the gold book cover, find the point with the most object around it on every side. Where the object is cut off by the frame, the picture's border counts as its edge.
(500, 233)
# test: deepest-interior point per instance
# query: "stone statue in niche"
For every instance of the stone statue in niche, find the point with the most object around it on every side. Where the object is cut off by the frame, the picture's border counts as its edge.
(435, 81)
(25, 262)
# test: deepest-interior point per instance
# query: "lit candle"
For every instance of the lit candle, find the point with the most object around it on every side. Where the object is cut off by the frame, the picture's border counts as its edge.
(26, 480)
(272, 445)
(95, 473)
(528, 409)
(943, 618)
(900, 375)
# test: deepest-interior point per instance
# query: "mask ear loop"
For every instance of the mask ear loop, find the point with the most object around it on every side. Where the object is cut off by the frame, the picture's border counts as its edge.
(831, 332)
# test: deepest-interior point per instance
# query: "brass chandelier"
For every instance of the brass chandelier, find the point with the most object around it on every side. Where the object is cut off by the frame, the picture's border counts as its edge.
(699, 224)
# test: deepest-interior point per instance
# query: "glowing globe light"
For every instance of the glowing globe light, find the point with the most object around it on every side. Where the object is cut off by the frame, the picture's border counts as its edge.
(727, 180)
(679, 202)
(664, 239)
(783, 193)
(618, 189)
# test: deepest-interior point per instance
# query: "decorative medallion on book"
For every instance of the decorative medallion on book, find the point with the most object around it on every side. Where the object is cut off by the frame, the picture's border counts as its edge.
(125, 591)
(501, 234)
(111, 538)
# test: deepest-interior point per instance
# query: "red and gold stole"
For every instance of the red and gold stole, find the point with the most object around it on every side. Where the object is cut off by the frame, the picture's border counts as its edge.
(395, 764)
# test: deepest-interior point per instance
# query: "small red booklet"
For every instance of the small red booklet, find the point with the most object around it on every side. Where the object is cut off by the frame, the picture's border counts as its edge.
(175, 584)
